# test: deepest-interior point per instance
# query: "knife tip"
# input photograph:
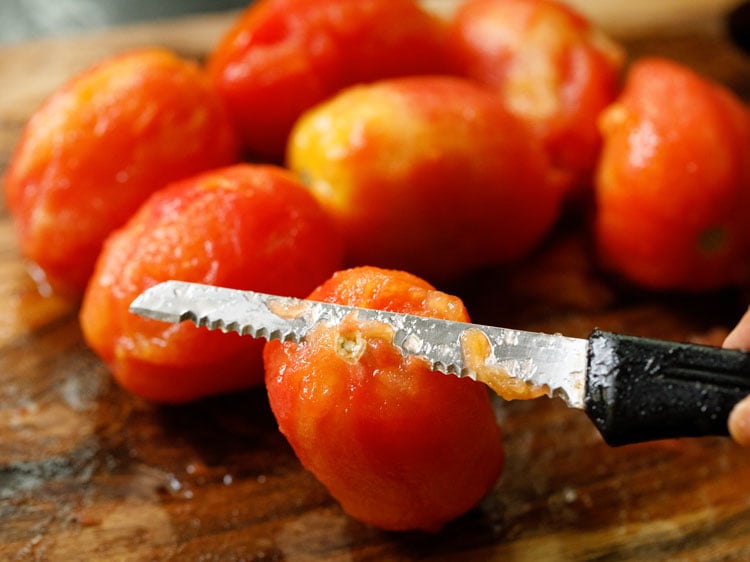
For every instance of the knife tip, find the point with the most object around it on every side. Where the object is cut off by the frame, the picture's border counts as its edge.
(153, 303)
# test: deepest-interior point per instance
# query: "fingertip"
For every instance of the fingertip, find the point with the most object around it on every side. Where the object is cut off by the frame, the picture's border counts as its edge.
(739, 422)
(739, 337)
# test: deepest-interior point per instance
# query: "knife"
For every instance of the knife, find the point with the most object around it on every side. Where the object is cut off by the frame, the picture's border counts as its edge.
(633, 389)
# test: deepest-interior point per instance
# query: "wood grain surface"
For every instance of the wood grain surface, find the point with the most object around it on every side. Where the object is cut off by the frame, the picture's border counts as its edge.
(89, 472)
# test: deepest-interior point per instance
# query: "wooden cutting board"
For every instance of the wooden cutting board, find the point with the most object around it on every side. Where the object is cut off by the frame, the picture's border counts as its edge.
(88, 472)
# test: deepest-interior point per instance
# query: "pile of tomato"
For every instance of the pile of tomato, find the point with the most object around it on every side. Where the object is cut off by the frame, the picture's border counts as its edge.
(364, 153)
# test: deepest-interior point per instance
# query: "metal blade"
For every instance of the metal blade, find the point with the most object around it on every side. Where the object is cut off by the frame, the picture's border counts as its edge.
(514, 363)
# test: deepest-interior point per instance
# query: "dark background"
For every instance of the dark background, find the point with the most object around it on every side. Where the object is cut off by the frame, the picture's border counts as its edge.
(28, 19)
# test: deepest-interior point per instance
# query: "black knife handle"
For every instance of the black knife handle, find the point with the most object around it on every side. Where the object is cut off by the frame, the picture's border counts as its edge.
(641, 389)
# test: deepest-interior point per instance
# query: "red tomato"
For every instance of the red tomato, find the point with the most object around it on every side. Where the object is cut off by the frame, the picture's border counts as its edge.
(246, 227)
(284, 56)
(430, 174)
(673, 186)
(550, 65)
(399, 446)
(99, 146)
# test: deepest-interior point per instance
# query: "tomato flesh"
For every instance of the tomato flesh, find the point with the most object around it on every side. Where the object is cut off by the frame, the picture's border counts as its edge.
(99, 146)
(399, 446)
(245, 227)
(673, 184)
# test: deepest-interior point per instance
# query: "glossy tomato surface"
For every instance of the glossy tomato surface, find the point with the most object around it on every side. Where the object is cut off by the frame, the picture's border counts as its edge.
(431, 175)
(284, 56)
(551, 66)
(100, 145)
(245, 227)
(673, 186)
(399, 446)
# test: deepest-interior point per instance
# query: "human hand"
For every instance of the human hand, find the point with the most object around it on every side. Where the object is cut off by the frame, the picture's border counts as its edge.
(739, 417)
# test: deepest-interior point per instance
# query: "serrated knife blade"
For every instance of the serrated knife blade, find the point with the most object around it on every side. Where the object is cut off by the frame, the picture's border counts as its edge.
(634, 389)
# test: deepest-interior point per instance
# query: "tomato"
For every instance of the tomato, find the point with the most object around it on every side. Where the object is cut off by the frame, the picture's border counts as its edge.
(399, 446)
(284, 56)
(246, 227)
(673, 186)
(550, 65)
(99, 146)
(432, 175)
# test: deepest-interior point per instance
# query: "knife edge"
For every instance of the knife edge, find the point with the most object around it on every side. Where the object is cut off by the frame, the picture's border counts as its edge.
(515, 363)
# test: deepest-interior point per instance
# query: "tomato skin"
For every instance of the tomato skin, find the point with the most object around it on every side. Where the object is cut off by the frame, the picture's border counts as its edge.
(673, 185)
(246, 227)
(284, 56)
(100, 145)
(550, 65)
(432, 175)
(400, 447)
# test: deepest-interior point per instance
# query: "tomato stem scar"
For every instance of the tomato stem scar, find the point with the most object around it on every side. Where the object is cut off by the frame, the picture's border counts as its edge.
(350, 345)
(712, 239)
